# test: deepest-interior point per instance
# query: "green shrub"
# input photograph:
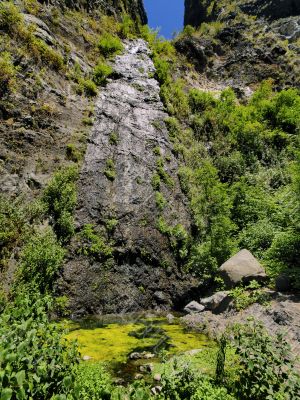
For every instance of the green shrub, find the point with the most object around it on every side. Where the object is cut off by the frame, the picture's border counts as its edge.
(13, 223)
(10, 17)
(93, 382)
(109, 45)
(48, 55)
(88, 87)
(200, 101)
(60, 199)
(7, 73)
(245, 297)
(101, 72)
(265, 365)
(41, 259)
(182, 382)
(127, 27)
(73, 153)
(36, 362)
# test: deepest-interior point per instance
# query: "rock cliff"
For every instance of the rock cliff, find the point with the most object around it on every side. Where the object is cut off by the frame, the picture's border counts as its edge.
(244, 42)
(127, 149)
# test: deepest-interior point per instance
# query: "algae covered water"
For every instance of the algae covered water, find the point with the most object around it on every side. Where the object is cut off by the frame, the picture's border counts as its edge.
(131, 344)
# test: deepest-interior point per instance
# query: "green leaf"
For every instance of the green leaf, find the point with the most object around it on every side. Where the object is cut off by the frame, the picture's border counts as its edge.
(20, 377)
(6, 394)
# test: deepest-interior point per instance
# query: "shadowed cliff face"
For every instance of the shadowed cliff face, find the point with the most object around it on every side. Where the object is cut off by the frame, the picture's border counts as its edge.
(135, 8)
(243, 42)
(198, 11)
(128, 144)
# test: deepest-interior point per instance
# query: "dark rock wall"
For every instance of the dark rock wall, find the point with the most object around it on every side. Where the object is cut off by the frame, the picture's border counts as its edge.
(144, 273)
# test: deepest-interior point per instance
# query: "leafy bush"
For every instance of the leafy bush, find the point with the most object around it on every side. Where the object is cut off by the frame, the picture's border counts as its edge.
(101, 72)
(109, 45)
(180, 381)
(60, 199)
(244, 297)
(93, 382)
(47, 54)
(41, 259)
(265, 365)
(35, 361)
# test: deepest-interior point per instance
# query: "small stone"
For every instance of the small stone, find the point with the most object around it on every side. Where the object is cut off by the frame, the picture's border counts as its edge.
(147, 368)
(138, 376)
(193, 307)
(214, 301)
(157, 377)
(156, 390)
(87, 358)
(192, 352)
(170, 318)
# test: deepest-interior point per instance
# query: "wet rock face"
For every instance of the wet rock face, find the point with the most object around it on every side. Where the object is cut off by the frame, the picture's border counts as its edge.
(135, 8)
(128, 139)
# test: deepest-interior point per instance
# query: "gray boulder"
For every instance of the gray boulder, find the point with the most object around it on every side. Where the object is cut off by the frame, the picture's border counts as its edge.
(215, 301)
(241, 268)
(193, 307)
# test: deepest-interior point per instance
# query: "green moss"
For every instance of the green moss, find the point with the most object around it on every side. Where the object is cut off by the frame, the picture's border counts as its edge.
(110, 170)
(114, 138)
(94, 244)
(160, 201)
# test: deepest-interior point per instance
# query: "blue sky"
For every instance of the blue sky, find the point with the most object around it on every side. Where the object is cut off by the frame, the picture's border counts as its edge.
(166, 14)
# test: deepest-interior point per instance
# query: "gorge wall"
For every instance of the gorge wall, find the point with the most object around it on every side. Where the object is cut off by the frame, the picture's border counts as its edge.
(129, 176)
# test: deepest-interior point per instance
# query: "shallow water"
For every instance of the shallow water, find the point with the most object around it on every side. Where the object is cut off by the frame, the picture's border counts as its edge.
(111, 339)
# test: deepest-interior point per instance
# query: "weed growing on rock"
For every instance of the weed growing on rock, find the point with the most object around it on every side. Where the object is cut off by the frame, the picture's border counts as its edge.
(109, 45)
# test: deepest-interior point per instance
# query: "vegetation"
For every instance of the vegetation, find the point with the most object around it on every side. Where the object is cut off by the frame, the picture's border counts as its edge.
(101, 72)
(35, 361)
(59, 199)
(41, 259)
(109, 45)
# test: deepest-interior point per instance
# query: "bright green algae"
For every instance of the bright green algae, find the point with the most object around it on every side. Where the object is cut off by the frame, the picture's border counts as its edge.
(113, 342)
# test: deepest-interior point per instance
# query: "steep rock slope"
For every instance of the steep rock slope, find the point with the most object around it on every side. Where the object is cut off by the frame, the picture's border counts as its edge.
(45, 117)
(243, 42)
(129, 180)
(135, 8)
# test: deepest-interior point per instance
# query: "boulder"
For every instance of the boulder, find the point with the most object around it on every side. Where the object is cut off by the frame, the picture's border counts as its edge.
(215, 301)
(241, 268)
(193, 307)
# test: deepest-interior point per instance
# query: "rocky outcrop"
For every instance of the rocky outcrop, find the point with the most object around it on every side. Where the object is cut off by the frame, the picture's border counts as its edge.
(281, 315)
(241, 268)
(128, 147)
